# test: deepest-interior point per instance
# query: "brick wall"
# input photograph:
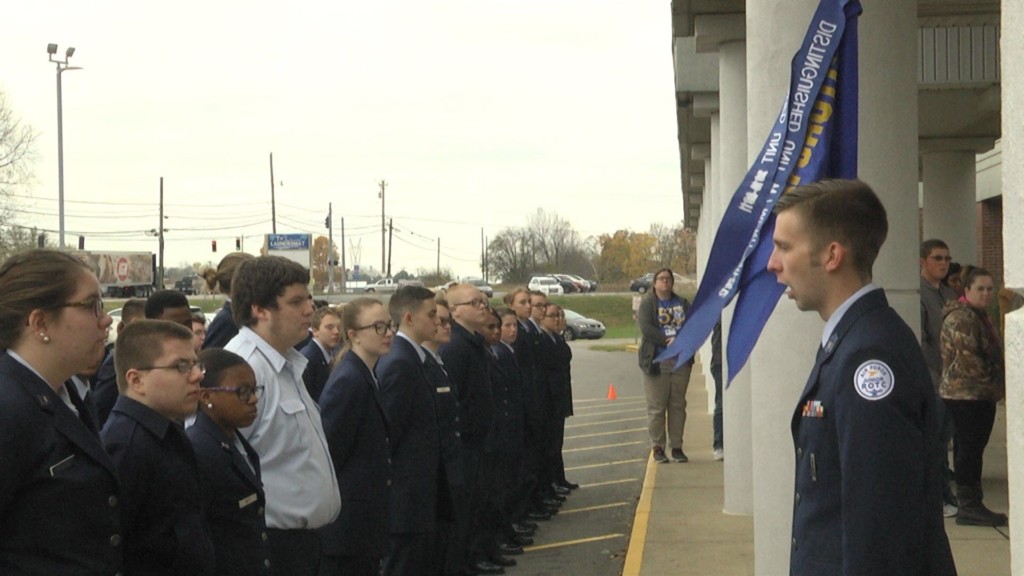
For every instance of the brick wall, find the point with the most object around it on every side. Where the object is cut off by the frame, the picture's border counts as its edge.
(990, 237)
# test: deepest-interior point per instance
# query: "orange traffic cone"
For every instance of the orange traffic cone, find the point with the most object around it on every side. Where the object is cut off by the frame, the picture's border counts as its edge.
(611, 392)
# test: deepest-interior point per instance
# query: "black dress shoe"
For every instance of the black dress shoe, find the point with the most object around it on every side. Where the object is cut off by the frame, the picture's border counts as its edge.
(510, 549)
(523, 540)
(552, 502)
(538, 515)
(569, 485)
(551, 510)
(520, 530)
(500, 560)
(485, 567)
(527, 524)
(560, 490)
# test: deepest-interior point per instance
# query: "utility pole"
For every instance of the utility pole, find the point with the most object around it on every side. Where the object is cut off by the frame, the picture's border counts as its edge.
(160, 232)
(483, 263)
(344, 270)
(383, 185)
(330, 249)
(273, 206)
(391, 231)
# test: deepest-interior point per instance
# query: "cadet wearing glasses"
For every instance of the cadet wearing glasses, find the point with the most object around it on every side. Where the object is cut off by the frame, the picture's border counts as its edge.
(162, 519)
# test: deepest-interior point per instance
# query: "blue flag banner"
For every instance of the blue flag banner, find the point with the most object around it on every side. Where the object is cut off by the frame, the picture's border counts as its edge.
(814, 137)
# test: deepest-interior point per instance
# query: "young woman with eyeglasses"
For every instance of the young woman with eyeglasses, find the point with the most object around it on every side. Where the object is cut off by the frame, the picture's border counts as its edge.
(356, 432)
(233, 497)
(59, 492)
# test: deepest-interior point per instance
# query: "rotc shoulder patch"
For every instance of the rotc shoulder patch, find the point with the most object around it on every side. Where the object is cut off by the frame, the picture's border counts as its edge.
(874, 380)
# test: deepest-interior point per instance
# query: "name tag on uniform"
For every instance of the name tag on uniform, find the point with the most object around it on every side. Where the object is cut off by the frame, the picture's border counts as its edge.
(813, 409)
(60, 465)
(444, 389)
(247, 500)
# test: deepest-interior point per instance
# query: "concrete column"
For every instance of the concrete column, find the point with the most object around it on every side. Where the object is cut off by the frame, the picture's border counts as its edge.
(738, 465)
(950, 186)
(1013, 262)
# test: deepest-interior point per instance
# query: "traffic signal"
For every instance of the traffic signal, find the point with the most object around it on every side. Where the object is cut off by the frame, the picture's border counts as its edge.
(213, 245)
(327, 222)
(238, 244)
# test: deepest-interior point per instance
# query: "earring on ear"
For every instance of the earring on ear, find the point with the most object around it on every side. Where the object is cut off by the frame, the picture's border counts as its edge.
(209, 404)
(46, 339)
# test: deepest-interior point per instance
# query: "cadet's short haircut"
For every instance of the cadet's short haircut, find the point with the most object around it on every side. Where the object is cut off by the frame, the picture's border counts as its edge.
(320, 313)
(141, 343)
(928, 245)
(162, 300)
(407, 299)
(258, 282)
(844, 211)
(503, 312)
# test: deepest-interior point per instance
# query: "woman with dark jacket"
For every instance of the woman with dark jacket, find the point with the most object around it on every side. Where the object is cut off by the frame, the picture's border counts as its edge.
(661, 315)
(222, 328)
(233, 498)
(972, 383)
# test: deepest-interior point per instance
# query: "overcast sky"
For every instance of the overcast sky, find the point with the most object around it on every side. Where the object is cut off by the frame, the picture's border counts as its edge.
(475, 112)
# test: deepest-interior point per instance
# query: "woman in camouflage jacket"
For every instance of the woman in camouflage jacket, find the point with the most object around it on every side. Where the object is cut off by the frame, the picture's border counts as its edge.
(972, 383)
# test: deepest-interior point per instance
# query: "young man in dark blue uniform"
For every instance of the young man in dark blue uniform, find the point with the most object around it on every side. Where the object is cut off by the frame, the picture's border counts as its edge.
(868, 494)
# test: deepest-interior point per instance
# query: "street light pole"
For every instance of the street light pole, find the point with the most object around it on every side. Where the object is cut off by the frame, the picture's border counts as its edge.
(62, 66)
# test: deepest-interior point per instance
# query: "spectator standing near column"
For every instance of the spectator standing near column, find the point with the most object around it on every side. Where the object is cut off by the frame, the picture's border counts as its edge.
(661, 315)
(271, 304)
(935, 294)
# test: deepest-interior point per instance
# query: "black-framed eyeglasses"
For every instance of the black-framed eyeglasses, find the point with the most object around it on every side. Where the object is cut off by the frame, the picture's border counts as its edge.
(381, 328)
(243, 392)
(183, 367)
(95, 304)
(475, 303)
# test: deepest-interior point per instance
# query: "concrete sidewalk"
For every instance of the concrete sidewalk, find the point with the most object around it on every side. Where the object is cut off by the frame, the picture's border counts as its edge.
(680, 529)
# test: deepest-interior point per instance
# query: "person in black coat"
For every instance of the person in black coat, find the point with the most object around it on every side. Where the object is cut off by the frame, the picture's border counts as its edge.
(60, 499)
(868, 497)
(357, 435)
(158, 376)
(233, 498)
(319, 350)
(104, 382)
(223, 328)
(408, 403)
(561, 390)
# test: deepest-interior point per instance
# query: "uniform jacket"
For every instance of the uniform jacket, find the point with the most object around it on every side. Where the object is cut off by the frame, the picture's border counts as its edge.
(357, 434)
(60, 503)
(233, 499)
(317, 371)
(868, 484)
(162, 515)
(452, 480)
(104, 389)
(972, 363)
(553, 365)
(563, 389)
(652, 336)
(507, 383)
(222, 328)
(534, 394)
(408, 402)
(465, 360)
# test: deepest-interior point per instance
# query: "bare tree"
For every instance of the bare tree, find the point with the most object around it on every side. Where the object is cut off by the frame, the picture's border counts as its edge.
(17, 152)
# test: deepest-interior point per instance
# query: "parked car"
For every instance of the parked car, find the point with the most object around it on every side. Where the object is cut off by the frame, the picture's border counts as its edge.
(387, 285)
(545, 284)
(589, 285)
(642, 284)
(579, 326)
(570, 284)
(482, 285)
(186, 285)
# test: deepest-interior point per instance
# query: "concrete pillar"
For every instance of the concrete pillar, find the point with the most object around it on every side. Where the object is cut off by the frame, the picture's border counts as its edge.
(950, 185)
(888, 161)
(1012, 74)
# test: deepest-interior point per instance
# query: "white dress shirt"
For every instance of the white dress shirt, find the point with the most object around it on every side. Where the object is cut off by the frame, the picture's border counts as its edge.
(298, 476)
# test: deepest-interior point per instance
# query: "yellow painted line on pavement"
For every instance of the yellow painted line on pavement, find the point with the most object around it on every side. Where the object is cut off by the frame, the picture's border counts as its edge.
(609, 403)
(638, 538)
(612, 433)
(623, 411)
(607, 483)
(563, 512)
(605, 422)
(604, 446)
(586, 400)
(572, 542)
(616, 463)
